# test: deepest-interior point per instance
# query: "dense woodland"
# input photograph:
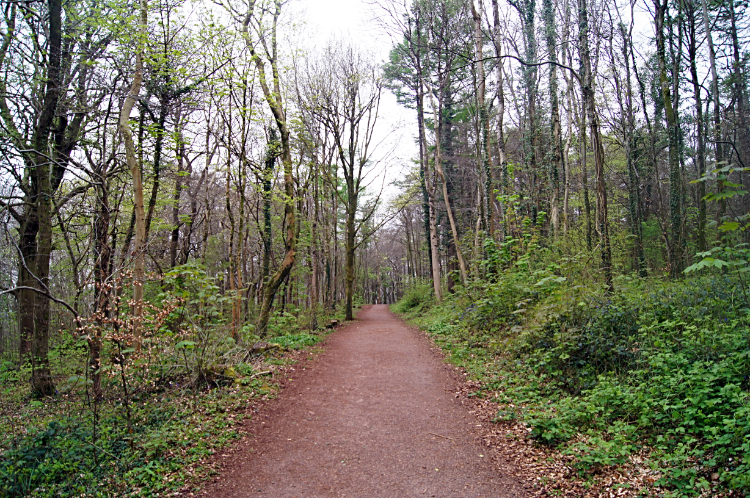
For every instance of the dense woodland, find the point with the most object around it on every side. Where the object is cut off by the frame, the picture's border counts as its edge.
(183, 181)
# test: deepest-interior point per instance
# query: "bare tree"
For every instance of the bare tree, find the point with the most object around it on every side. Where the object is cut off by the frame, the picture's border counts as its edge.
(344, 95)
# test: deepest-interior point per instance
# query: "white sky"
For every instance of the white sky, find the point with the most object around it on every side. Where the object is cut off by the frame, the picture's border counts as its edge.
(354, 21)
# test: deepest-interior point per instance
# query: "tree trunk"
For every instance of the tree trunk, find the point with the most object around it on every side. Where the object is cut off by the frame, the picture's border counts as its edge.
(315, 263)
(628, 113)
(718, 149)
(273, 98)
(587, 88)
(135, 170)
(430, 228)
(175, 236)
(675, 197)
(102, 255)
(484, 124)
(423, 152)
(351, 213)
(158, 152)
(551, 35)
(41, 378)
(739, 82)
(446, 198)
(26, 294)
(701, 152)
(585, 175)
(500, 113)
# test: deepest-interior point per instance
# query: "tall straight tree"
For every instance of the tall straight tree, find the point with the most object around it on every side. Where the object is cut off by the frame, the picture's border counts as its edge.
(502, 166)
(674, 244)
(484, 122)
(447, 19)
(718, 148)
(691, 18)
(527, 13)
(136, 169)
(550, 31)
(408, 67)
(344, 95)
(739, 85)
(587, 89)
(627, 111)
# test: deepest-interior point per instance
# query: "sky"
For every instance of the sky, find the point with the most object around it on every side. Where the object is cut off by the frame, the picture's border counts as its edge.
(355, 21)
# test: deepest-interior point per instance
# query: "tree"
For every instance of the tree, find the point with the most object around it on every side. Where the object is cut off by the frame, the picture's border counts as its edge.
(718, 149)
(344, 95)
(262, 43)
(587, 89)
(676, 263)
(45, 100)
(627, 111)
(484, 123)
(550, 28)
(136, 170)
(407, 67)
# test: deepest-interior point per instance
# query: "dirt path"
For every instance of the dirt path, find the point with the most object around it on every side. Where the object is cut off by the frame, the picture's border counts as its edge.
(377, 415)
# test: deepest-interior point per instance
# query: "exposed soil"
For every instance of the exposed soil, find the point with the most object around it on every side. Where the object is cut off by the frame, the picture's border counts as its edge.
(378, 414)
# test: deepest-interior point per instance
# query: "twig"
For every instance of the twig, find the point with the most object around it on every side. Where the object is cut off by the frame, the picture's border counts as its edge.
(439, 435)
(267, 372)
(105, 451)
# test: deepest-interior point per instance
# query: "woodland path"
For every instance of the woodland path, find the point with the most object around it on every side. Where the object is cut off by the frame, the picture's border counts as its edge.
(375, 415)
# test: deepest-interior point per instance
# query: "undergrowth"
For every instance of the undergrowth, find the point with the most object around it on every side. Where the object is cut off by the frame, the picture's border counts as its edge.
(69, 446)
(659, 368)
(161, 410)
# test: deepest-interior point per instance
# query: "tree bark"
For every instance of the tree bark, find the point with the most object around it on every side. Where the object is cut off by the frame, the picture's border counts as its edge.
(502, 166)
(175, 236)
(629, 127)
(718, 148)
(274, 100)
(587, 88)
(484, 124)
(446, 198)
(135, 170)
(551, 35)
(700, 132)
(675, 197)
(102, 255)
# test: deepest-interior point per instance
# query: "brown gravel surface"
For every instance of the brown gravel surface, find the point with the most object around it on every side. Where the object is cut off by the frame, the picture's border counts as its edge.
(378, 414)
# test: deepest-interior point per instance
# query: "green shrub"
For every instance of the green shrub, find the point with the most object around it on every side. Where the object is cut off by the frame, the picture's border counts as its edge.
(415, 297)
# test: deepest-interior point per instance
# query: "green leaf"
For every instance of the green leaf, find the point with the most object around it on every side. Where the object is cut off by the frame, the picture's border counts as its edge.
(706, 263)
(185, 344)
(729, 226)
(727, 194)
(552, 278)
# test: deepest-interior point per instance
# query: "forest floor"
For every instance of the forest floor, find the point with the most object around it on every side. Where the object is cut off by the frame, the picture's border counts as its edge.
(377, 414)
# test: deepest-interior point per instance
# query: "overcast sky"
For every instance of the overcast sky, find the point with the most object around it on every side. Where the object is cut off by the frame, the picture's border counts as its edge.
(354, 20)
